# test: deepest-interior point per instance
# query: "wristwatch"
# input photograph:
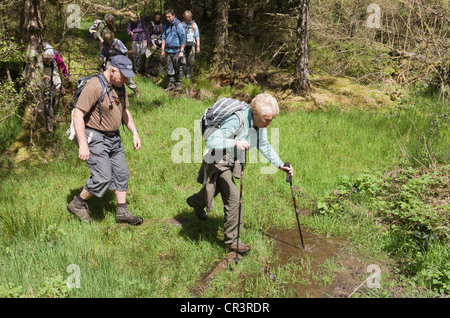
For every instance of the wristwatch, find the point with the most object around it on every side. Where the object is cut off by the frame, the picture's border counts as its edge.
(134, 131)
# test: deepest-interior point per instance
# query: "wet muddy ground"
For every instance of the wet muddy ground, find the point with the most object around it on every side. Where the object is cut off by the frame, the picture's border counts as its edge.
(347, 276)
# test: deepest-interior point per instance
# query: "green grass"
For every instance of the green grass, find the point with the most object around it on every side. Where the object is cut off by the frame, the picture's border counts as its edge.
(39, 239)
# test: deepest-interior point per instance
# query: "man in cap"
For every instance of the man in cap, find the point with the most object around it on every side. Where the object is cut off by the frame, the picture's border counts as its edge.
(99, 140)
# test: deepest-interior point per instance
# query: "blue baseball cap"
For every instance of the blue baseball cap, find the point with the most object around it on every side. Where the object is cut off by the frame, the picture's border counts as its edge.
(124, 64)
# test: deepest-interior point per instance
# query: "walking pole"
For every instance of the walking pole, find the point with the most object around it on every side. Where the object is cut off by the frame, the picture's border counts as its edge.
(236, 259)
(289, 179)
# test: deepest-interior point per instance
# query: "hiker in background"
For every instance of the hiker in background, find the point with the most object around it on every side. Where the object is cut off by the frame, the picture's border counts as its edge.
(172, 48)
(227, 150)
(154, 41)
(94, 27)
(192, 46)
(136, 30)
(57, 57)
(52, 89)
(107, 25)
(113, 47)
(99, 140)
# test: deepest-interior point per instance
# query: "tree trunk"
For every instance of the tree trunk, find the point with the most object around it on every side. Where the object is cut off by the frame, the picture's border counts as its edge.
(221, 36)
(301, 83)
(33, 130)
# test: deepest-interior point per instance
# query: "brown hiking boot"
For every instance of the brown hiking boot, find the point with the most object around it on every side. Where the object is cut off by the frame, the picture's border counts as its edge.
(80, 210)
(123, 215)
(170, 87)
(199, 212)
(243, 248)
(177, 87)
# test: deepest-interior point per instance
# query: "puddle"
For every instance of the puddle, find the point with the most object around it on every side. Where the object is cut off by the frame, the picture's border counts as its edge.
(326, 266)
(345, 275)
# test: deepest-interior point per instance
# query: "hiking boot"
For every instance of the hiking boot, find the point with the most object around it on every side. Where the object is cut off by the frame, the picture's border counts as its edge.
(123, 215)
(243, 248)
(177, 87)
(171, 87)
(80, 210)
(199, 212)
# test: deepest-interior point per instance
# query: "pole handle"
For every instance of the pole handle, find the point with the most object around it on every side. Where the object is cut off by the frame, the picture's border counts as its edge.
(288, 176)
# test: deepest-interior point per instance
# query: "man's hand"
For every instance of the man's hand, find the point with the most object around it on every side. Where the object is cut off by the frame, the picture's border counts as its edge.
(136, 141)
(83, 152)
(289, 169)
(242, 144)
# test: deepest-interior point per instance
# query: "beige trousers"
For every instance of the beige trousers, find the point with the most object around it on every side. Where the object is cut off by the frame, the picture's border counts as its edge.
(230, 197)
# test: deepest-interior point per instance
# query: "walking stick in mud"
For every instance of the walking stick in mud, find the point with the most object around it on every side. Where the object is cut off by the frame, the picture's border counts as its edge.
(289, 179)
(236, 259)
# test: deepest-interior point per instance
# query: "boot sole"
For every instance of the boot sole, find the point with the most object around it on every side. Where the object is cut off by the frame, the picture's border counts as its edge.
(200, 215)
(240, 252)
(131, 223)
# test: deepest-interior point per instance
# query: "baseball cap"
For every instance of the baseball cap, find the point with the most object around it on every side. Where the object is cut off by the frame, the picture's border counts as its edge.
(124, 64)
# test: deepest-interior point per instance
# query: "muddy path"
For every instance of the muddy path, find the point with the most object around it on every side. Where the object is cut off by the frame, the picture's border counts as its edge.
(347, 276)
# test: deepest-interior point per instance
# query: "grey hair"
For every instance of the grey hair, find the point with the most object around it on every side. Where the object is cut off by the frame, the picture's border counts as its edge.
(109, 17)
(265, 104)
(109, 67)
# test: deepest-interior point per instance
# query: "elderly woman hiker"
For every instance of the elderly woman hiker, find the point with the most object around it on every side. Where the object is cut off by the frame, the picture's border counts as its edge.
(227, 145)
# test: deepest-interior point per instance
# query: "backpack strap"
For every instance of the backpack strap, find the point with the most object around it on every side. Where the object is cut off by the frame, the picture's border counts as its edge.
(238, 131)
(105, 90)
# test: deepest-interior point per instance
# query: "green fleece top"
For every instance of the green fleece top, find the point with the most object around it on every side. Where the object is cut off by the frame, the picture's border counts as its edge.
(223, 138)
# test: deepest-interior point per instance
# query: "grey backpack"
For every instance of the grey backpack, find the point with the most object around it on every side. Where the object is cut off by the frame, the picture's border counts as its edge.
(214, 116)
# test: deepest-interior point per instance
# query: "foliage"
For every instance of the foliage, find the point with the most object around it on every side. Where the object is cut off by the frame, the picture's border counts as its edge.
(410, 204)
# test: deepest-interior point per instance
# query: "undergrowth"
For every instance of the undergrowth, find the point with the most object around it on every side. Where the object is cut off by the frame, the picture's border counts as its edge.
(410, 209)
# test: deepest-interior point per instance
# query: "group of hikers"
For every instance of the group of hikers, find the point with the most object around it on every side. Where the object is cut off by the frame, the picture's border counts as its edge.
(233, 127)
(176, 41)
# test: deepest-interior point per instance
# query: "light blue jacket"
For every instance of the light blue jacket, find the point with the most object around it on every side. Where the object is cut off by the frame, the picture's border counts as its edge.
(192, 33)
(174, 36)
(223, 138)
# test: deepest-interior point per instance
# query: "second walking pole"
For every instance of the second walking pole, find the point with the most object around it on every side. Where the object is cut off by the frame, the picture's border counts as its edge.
(289, 179)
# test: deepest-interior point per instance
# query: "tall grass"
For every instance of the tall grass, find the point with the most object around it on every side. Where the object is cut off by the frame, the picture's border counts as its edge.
(39, 239)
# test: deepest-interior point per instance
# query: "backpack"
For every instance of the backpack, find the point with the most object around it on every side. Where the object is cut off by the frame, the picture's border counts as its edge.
(189, 30)
(80, 85)
(94, 27)
(214, 116)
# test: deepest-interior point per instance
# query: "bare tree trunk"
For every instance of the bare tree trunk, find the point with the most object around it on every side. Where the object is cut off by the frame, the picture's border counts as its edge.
(221, 36)
(33, 130)
(301, 83)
